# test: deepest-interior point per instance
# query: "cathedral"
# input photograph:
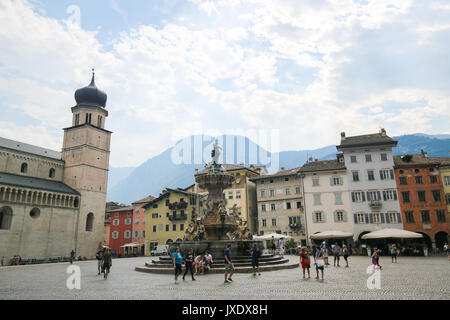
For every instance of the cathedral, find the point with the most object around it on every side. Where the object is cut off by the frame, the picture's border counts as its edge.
(54, 202)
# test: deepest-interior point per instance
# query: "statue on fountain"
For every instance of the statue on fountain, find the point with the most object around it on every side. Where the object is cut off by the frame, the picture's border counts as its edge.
(213, 165)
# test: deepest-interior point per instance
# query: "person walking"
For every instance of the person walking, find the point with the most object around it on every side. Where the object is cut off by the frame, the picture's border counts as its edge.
(336, 252)
(99, 257)
(189, 264)
(256, 253)
(177, 260)
(394, 253)
(320, 262)
(272, 244)
(325, 252)
(281, 245)
(314, 251)
(72, 256)
(447, 250)
(3, 261)
(345, 253)
(305, 261)
(107, 262)
(229, 268)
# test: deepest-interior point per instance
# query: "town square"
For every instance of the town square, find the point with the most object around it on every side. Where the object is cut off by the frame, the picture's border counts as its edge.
(412, 278)
(224, 150)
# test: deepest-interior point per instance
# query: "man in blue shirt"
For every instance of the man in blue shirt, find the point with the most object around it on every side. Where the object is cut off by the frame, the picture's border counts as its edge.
(229, 268)
(256, 253)
(177, 260)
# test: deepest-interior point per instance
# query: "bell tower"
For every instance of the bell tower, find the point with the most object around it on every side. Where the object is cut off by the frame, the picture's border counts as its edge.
(86, 148)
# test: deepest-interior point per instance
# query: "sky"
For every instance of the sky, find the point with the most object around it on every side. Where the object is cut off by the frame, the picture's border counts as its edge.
(300, 71)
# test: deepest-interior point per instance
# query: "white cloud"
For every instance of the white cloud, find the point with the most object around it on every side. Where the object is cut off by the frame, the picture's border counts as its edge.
(190, 74)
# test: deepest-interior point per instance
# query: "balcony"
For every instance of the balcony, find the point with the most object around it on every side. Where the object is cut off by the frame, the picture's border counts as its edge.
(177, 205)
(375, 204)
(177, 217)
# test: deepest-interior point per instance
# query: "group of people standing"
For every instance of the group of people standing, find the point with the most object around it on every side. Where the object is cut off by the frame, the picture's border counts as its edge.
(320, 255)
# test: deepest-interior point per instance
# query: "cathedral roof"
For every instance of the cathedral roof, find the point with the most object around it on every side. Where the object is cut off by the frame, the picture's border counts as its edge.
(29, 148)
(36, 183)
(91, 95)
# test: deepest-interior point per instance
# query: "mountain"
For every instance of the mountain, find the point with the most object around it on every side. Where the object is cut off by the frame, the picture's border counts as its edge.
(175, 167)
(116, 175)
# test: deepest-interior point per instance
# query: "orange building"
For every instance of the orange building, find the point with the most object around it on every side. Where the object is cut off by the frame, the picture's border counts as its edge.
(422, 197)
(138, 236)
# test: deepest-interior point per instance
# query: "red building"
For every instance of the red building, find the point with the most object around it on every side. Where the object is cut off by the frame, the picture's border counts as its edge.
(422, 197)
(121, 230)
(138, 236)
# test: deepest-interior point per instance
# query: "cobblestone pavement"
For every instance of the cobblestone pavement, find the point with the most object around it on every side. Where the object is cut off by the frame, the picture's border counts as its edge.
(410, 278)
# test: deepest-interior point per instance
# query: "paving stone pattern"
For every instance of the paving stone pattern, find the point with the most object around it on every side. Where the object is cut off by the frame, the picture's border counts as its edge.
(410, 278)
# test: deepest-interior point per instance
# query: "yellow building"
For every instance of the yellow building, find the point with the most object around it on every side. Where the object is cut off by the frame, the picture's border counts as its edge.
(168, 216)
(242, 193)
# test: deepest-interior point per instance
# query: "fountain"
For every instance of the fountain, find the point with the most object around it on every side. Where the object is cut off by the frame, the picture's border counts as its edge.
(217, 228)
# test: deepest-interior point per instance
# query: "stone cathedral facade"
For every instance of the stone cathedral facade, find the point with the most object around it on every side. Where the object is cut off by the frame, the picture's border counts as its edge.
(54, 202)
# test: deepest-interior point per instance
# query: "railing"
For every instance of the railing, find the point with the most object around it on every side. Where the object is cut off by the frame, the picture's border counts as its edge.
(375, 204)
(178, 217)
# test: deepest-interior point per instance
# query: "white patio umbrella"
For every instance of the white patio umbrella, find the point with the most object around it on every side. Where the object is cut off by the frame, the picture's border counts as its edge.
(130, 245)
(391, 233)
(331, 235)
(269, 236)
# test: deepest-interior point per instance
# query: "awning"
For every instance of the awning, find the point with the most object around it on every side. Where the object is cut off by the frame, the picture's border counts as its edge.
(391, 233)
(331, 235)
(269, 236)
(130, 245)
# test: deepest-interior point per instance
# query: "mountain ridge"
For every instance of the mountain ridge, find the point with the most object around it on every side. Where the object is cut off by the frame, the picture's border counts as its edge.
(175, 166)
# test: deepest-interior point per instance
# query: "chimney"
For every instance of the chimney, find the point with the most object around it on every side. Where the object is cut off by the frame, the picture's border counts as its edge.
(282, 168)
(310, 159)
(196, 171)
(252, 167)
(383, 132)
(342, 135)
(424, 154)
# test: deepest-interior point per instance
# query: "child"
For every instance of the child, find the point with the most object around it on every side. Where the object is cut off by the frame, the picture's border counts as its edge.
(305, 261)
(375, 258)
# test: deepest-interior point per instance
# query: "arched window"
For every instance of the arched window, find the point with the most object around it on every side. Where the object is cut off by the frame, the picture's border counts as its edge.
(51, 173)
(24, 168)
(169, 241)
(75, 203)
(89, 222)
(6, 214)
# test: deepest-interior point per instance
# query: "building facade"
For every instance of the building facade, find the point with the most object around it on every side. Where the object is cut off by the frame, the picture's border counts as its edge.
(121, 230)
(52, 202)
(138, 234)
(326, 193)
(168, 216)
(280, 204)
(371, 181)
(422, 197)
